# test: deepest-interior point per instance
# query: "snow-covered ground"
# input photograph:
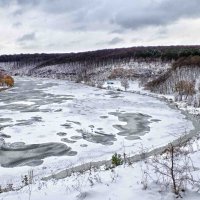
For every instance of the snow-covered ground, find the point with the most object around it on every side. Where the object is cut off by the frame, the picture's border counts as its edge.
(94, 123)
(123, 182)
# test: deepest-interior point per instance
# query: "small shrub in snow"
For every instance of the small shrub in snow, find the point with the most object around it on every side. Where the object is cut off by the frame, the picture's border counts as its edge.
(7, 188)
(28, 179)
(117, 159)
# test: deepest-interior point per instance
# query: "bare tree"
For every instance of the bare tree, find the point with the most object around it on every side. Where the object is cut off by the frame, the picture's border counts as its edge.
(185, 88)
(125, 84)
(174, 169)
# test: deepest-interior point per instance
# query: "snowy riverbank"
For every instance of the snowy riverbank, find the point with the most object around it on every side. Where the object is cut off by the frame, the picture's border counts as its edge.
(83, 99)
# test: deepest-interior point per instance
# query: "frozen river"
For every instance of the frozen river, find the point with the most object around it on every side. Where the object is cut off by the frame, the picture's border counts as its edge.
(54, 123)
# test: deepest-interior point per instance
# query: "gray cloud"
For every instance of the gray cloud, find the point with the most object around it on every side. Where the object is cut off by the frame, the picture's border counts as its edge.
(52, 6)
(27, 37)
(30, 2)
(156, 13)
(17, 12)
(63, 6)
(17, 24)
(136, 39)
(90, 21)
(129, 14)
(4, 2)
(115, 40)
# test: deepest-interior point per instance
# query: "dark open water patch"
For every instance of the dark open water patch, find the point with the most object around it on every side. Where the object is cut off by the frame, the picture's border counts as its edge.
(20, 154)
(2, 135)
(67, 140)
(31, 93)
(137, 124)
(97, 137)
(3, 120)
(61, 134)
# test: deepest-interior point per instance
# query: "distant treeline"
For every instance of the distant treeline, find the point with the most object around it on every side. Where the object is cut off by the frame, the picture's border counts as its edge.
(165, 53)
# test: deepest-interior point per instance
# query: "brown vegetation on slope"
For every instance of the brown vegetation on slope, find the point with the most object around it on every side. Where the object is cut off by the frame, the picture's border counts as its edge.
(6, 80)
(190, 61)
(122, 73)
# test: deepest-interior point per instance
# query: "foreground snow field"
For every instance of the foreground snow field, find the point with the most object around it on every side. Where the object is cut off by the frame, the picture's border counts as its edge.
(71, 124)
(123, 182)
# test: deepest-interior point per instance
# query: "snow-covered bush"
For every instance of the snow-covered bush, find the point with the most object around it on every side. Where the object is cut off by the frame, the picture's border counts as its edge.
(125, 84)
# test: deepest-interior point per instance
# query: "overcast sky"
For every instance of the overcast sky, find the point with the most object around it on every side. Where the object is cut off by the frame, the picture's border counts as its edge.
(28, 26)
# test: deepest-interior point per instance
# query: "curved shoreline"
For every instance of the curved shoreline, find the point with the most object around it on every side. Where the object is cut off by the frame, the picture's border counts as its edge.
(138, 157)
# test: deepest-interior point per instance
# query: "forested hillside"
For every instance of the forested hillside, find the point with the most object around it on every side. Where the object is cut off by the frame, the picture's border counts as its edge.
(145, 62)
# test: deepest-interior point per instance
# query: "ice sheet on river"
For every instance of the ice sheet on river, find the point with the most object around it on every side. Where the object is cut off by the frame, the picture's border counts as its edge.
(92, 122)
